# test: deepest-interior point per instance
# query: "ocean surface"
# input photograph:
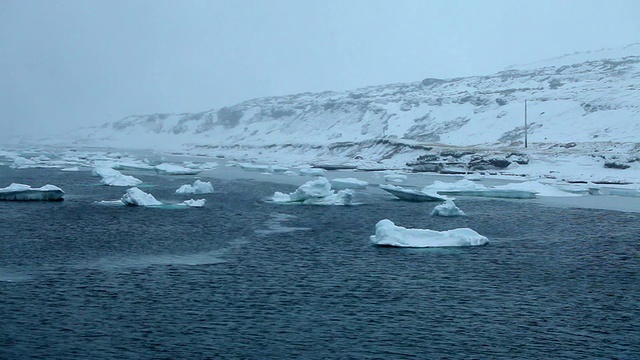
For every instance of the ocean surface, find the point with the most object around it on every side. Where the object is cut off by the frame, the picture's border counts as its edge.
(243, 278)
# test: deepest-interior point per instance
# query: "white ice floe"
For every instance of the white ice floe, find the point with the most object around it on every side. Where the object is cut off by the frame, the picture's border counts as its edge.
(22, 192)
(74, 168)
(194, 203)
(316, 192)
(469, 188)
(137, 197)
(348, 183)
(413, 194)
(171, 169)
(114, 177)
(448, 208)
(20, 162)
(536, 187)
(309, 171)
(202, 166)
(198, 187)
(388, 234)
(291, 173)
(265, 168)
(396, 178)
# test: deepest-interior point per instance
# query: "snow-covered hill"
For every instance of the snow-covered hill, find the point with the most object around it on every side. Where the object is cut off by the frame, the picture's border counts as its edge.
(581, 97)
(582, 107)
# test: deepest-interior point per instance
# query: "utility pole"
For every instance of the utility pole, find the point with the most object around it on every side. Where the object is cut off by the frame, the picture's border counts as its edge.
(526, 127)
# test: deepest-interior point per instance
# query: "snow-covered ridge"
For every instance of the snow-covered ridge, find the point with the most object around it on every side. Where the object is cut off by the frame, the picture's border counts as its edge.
(582, 97)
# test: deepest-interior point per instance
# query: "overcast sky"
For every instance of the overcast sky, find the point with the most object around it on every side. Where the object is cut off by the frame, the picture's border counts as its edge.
(67, 63)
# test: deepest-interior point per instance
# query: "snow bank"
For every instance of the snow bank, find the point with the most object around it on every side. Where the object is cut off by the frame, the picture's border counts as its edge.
(137, 197)
(388, 234)
(348, 183)
(22, 192)
(171, 169)
(448, 208)
(316, 192)
(114, 177)
(198, 187)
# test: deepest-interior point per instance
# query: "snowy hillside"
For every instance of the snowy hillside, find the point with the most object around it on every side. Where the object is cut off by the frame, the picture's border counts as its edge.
(582, 97)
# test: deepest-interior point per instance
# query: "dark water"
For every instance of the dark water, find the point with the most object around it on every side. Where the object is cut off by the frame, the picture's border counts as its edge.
(236, 279)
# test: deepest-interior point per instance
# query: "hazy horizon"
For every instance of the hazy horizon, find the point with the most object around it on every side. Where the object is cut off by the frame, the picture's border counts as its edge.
(81, 63)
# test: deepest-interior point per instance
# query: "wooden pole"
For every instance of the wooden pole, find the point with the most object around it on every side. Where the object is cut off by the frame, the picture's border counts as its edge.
(526, 127)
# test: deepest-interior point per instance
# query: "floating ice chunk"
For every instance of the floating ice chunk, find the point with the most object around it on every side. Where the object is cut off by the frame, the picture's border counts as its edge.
(536, 187)
(171, 169)
(20, 162)
(348, 183)
(314, 188)
(466, 187)
(460, 185)
(309, 171)
(291, 173)
(22, 192)
(137, 197)
(396, 178)
(194, 203)
(74, 168)
(342, 197)
(113, 177)
(412, 194)
(474, 177)
(448, 208)
(316, 192)
(198, 187)
(388, 234)
(262, 167)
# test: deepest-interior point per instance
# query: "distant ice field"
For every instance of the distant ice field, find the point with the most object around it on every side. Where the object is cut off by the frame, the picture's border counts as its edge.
(245, 278)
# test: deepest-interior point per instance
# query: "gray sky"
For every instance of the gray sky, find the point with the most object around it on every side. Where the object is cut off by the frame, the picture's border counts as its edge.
(72, 63)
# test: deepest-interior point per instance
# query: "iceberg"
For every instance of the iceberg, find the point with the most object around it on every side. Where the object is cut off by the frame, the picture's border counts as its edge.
(198, 187)
(412, 194)
(170, 169)
(448, 208)
(309, 171)
(194, 203)
(22, 192)
(114, 177)
(397, 178)
(537, 188)
(316, 192)
(348, 183)
(73, 168)
(388, 234)
(137, 197)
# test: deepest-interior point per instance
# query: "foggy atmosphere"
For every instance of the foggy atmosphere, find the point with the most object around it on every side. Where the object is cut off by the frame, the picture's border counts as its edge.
(319, 179)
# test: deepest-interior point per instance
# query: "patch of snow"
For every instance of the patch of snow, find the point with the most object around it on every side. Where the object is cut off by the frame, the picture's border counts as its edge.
(388, 234)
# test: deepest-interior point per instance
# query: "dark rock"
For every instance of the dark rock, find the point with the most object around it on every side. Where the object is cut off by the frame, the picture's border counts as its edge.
(616, 164)
(427, 167)
(501, 101)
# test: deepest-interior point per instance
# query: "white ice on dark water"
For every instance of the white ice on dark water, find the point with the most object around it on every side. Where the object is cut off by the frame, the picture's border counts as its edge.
(310, 171)
(388, 234)
(194, 203)
(171, 169)
(448, 208)
(114, 177)
(348, 183)
(198, 187)
(412, 194)
(22, 192)
(396, 178)
(316, 192)
(137, 197)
